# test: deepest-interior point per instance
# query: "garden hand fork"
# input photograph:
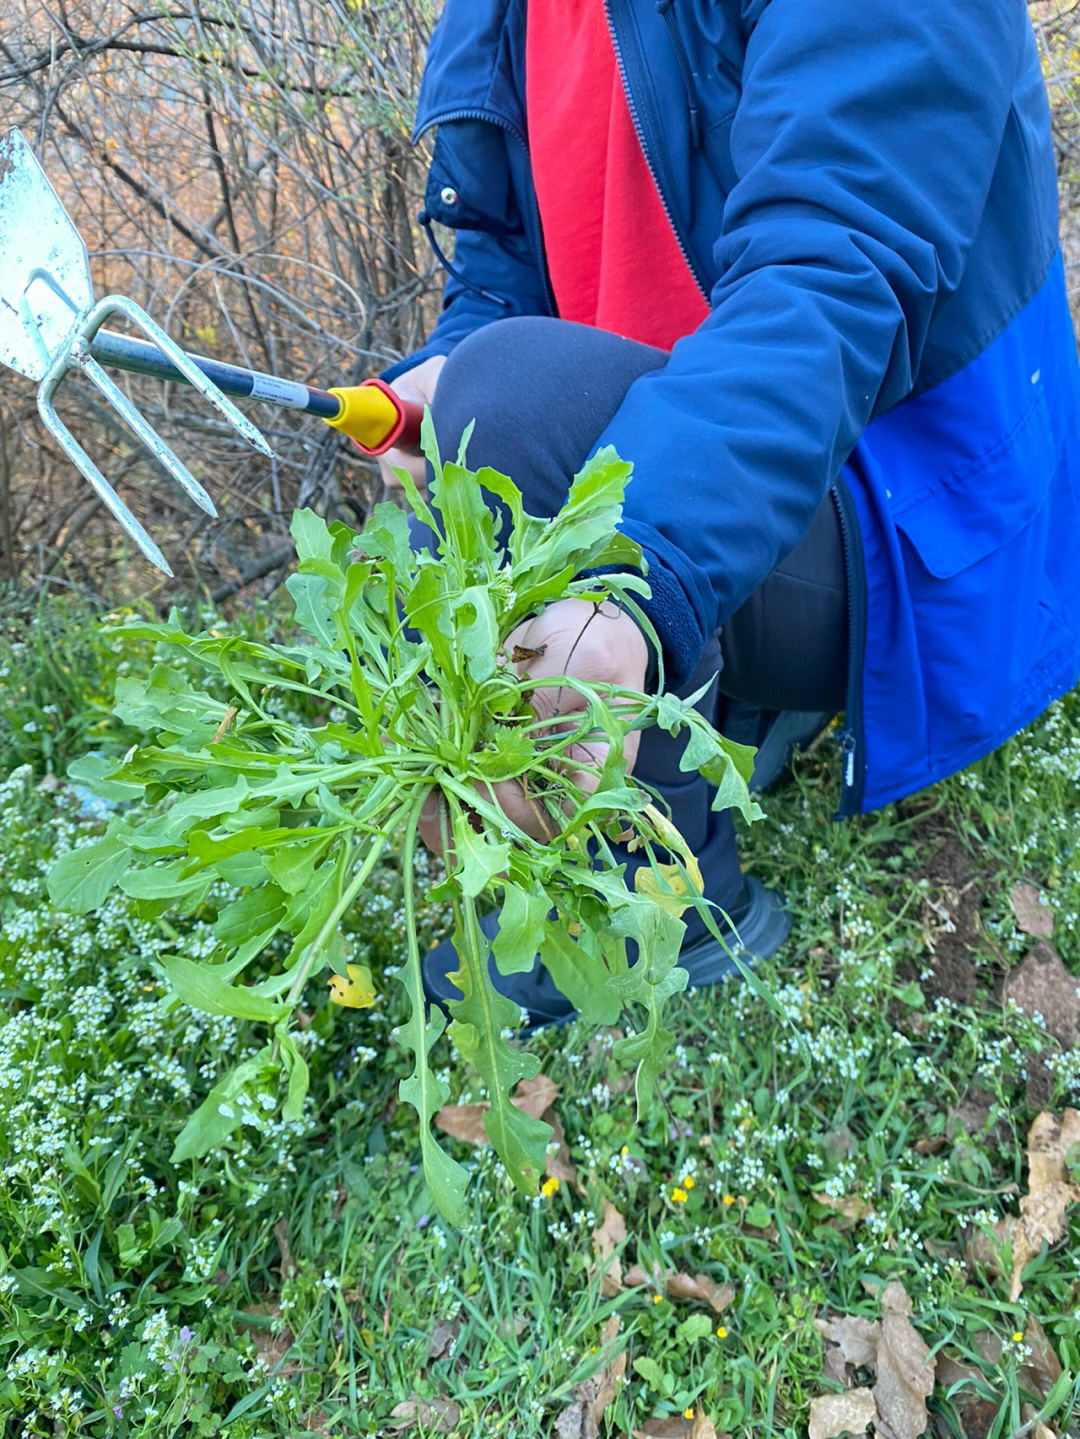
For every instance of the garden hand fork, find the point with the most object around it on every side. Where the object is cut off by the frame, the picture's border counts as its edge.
(49, 320)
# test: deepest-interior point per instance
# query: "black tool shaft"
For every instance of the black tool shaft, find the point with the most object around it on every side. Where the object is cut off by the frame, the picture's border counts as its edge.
(139, 357)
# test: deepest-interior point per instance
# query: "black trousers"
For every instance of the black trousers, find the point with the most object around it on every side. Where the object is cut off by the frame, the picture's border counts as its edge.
(540, 391)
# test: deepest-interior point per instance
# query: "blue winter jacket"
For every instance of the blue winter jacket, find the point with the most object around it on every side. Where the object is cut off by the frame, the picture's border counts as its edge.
(866, 194)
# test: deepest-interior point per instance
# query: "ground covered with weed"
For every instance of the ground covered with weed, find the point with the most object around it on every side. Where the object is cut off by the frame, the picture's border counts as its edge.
(854, 1199)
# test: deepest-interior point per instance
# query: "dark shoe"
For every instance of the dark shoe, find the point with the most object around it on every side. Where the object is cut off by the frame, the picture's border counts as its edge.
(763, 927)
(758, 935)
(776, 734)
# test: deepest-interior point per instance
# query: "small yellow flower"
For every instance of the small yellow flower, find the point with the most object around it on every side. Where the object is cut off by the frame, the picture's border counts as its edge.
(688, 1181)
(688, 1414)
(1018, 1337)
(550, 1186)
(721, 1332)
(658, 1299)
(625, 1150)
(678, 1196)
(728, 1200)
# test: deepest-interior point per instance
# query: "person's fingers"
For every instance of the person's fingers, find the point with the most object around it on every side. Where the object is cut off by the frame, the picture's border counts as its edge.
(417, 385)
(396, 459)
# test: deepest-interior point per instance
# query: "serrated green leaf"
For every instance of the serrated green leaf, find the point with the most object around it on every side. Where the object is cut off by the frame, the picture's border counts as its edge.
(477, 632)
(521, 919)
(311, 536)
(217, 1116)
(81, 879)
(579, 973)
(96, 772)
(480, 857)
(199, 986)
(479, 1019)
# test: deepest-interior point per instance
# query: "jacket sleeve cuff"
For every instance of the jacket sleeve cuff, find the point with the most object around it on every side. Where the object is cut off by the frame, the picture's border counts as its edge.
(680, 629)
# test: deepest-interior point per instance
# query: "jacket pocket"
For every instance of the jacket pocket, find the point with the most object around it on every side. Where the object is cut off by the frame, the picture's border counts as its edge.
(967, 515)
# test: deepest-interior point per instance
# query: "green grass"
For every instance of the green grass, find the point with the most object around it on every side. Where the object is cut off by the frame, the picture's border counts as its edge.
(299, 1281)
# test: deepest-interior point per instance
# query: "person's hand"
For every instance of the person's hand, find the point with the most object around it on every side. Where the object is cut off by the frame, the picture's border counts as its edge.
(572, 637)
(417, 384)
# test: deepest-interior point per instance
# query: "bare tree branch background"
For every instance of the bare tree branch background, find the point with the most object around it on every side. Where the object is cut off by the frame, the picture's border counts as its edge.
(243, 169)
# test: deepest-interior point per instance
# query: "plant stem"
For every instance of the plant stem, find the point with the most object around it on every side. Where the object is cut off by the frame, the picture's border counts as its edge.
(348, 895)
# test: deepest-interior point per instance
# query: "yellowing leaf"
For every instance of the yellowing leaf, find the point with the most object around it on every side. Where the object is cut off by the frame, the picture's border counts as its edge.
(358, 992)
(646, 880)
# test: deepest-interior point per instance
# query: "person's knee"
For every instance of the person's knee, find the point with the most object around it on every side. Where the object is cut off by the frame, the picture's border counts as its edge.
(490, 381)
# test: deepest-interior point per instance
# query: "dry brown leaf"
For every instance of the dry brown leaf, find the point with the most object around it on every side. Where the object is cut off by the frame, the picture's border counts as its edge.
(700, 1287)
(949, 1371)
(442, 1338)
(855, 1338)
(676, 1285)
(1038, 1429)
(440, 1414)
(281, 1234)
(1032, 916)
(702, 1427)
(699, 1427)
(606, 1240)
(849, 1208)
(1043, 1209)
(1042, 1221)
(848, 1413)
(1042, 1367)
(1041, 984)
(1049, 1141)
(558, 1164)
(535, 1095)
(905, 1371)
(271, 1345)
(466, 1121)
(989, 1346)
(591, 1397)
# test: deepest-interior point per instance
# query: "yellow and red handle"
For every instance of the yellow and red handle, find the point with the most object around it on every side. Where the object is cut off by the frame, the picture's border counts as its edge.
(376, 419)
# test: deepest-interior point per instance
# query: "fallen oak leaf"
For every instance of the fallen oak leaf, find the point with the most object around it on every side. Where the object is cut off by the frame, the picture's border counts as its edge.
(1049, 1142)
(847, 1413)
(698, 1427)
(905, 1371)
(854, 1337)
(607, 1238)
(1032, 916)
(438, 1414)
(466, 1121)
(1043, 1209)
(848, 1207)
(676, 1285)
(1042, 1221)
(700, 1287)
(1042, 1367)
(442, 1338)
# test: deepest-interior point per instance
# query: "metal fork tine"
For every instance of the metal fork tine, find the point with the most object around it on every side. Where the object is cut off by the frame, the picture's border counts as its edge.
(190, 371)
(144, 431)
(85, 465)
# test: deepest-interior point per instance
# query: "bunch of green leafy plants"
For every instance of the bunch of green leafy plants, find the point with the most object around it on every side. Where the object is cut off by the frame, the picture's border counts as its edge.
(406, 650)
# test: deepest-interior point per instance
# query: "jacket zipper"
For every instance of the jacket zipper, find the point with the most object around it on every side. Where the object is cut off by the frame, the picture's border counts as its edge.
(853, 736)
(424, 219)
(667, 9)
(650, 156)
